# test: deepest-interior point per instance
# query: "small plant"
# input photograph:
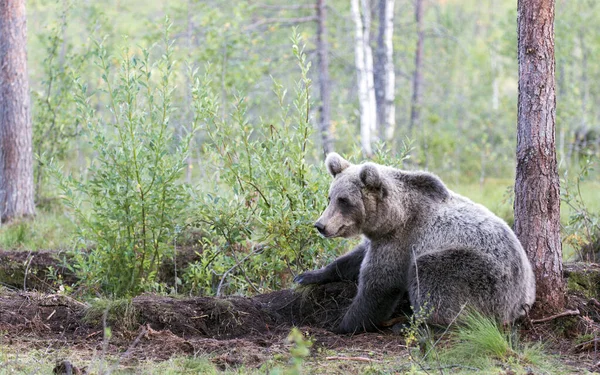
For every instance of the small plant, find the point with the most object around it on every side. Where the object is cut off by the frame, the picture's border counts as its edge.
(127, 210)
(299, 351)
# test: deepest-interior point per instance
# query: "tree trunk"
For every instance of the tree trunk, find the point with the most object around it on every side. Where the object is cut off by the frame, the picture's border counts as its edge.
(537, 196)
(415, 107)
(16, 155)
(364, 69)
(383, 75)
(324, 83)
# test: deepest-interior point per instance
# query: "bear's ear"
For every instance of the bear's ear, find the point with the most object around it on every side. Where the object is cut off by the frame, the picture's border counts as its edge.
(369, 175)
(428, 184)
(336, 164)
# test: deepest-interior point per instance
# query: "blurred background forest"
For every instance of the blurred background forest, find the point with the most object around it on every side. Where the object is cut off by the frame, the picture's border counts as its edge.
(225, 78)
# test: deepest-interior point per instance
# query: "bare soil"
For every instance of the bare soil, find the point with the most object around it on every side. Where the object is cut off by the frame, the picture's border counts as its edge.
(237, 330)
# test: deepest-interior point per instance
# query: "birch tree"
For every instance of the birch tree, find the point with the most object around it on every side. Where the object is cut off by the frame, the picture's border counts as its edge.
(16, 155)
(384, 76)
(324, 83)
(415, 107)
(364, 68)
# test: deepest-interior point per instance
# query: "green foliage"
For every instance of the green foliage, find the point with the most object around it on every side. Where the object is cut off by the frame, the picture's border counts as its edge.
(54, 127)
(582, 230)
(131, 202)
(273, 194)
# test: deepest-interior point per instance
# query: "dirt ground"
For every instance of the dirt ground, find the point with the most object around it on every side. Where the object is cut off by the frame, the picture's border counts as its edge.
(235, 331)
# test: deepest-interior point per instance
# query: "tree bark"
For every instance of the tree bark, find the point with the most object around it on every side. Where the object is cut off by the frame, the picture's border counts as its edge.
(415, 107)
(324, 82)
(16, 155)
(383, 74)
(537, 195)
(364, 69)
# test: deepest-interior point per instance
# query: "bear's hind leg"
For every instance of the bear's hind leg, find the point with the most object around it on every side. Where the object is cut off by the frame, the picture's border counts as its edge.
(447, 282)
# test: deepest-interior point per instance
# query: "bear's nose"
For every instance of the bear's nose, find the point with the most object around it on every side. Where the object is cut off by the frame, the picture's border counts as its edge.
(320, 227)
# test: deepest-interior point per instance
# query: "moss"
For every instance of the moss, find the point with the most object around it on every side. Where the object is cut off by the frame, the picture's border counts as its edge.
(585, 281)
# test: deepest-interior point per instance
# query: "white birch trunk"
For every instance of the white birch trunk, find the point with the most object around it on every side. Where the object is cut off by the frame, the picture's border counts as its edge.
(390, 76)
(372, 104)
(364, 68)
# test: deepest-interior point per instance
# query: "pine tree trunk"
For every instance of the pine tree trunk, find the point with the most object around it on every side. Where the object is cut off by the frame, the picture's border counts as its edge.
(537, 195)
(324, 83)
(16, 155)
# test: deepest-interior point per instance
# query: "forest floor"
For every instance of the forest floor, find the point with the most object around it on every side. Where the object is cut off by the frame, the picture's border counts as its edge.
(41, 331)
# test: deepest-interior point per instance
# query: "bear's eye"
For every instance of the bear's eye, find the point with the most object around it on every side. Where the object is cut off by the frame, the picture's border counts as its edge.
(343, 201)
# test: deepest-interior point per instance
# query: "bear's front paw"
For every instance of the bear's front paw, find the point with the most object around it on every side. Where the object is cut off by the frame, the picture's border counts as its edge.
(311, 277)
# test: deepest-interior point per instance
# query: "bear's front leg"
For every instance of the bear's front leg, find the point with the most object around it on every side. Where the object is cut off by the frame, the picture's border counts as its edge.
(379, 291)
(346, 267)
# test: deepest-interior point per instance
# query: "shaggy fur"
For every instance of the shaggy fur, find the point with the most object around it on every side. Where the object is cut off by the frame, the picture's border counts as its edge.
(420, 238)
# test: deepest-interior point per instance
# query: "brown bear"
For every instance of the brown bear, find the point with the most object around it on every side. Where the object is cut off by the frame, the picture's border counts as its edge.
(419, 238)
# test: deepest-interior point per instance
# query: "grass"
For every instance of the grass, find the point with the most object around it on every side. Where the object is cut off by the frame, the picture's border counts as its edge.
(478, 342)
(48, 230)
(119, 312)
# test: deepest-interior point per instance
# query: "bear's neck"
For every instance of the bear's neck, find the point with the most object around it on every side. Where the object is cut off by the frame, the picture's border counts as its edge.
(397, 223)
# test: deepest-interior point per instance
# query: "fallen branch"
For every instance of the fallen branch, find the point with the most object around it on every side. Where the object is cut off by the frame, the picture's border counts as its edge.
(562, 314)
(583, 345)
(394, 321)
(360, 359)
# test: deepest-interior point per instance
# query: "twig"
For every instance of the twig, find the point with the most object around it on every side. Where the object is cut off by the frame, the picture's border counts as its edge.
(92, 334)
(446, 330)
(360, 359)
(564, 313)
(279, 7)
(255, 251)
(455, 366)
(30, 257)
(143, 331)
(283, 21)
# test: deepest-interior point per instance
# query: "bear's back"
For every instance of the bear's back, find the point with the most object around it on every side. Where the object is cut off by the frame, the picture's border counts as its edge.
(460, 223)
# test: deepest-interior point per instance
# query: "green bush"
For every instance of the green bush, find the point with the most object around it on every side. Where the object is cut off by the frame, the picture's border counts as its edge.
(259, 217)
(127, 209)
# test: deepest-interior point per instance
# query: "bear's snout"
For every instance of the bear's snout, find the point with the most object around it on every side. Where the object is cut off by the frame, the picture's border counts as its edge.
(320, 227)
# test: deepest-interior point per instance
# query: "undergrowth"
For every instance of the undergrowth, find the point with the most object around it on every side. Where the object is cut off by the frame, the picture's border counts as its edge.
(476, 343)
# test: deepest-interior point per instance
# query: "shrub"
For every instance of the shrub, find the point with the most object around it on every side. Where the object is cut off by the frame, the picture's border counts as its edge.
(127, 209)
(267, 195)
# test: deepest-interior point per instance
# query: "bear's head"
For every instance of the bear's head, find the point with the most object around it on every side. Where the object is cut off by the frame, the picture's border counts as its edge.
(375, 200)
